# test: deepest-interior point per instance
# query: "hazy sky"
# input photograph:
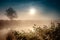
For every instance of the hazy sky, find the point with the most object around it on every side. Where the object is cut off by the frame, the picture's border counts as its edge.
(28, 10)
(44, 9)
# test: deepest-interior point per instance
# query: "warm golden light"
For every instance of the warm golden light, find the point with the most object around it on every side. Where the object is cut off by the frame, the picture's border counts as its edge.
(32, 11)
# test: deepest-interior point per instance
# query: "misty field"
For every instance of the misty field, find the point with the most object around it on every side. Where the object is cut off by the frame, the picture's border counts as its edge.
(36, 32)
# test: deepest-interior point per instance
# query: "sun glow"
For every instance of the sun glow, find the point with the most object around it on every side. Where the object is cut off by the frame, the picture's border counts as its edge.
(32, 11)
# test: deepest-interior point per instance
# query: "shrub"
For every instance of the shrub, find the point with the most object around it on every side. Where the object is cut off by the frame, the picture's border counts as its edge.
(52, 33)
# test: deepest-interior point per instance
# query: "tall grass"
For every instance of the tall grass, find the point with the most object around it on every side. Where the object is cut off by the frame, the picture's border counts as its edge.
(52, 33)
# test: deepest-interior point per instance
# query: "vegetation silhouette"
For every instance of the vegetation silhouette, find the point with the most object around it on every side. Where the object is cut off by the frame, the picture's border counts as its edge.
(11, 13)
(52, 33)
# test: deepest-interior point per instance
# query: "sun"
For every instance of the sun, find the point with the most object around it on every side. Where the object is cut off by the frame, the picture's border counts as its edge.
(32, 11)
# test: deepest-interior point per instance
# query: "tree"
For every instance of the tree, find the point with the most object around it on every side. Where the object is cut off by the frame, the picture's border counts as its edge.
(11, 13)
